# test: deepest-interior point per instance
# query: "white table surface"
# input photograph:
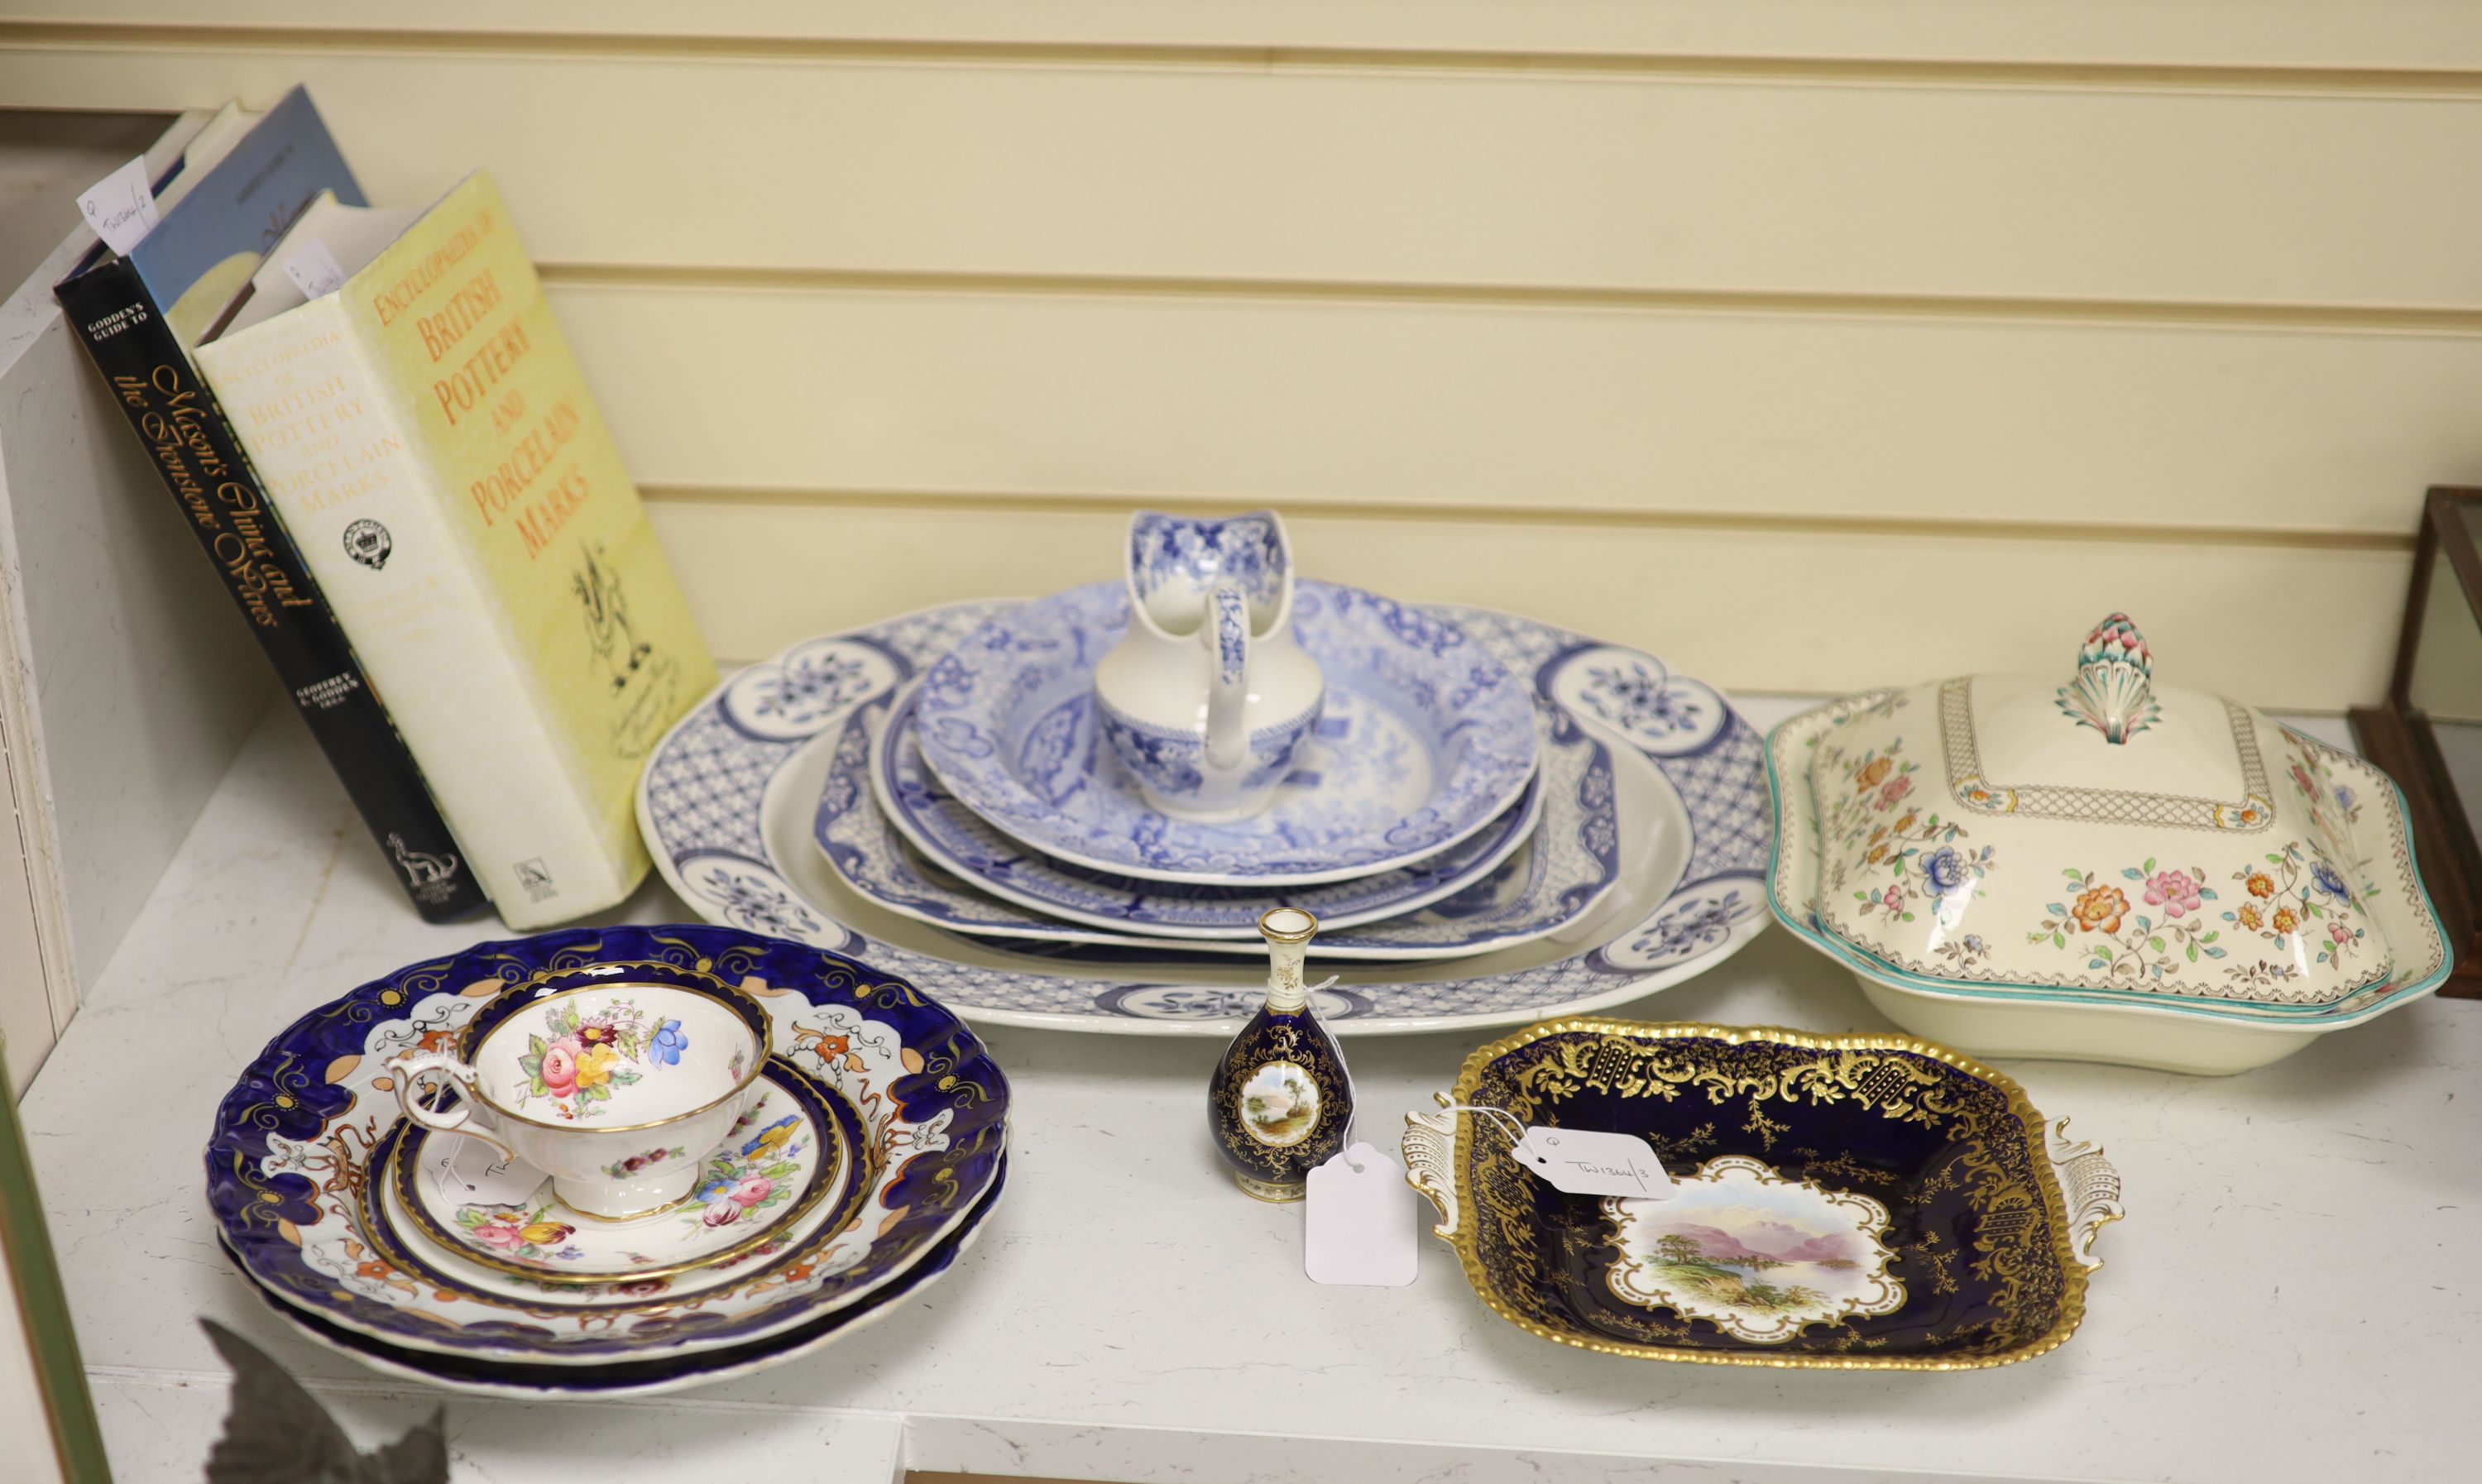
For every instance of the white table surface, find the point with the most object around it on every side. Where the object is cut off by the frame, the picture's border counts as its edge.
(2294, 1294)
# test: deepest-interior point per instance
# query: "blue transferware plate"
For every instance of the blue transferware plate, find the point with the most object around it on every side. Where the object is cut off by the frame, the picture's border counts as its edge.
(914, 799)
(1839, 1201)
(1426, 739)
(727, 798)
(971, 879)
(291, 1152)
(638, 1378)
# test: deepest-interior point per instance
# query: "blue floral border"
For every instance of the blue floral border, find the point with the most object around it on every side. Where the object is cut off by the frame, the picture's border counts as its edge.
(699, 806)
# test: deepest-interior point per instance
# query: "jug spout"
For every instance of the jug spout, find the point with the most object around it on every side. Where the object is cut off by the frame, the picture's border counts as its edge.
(1176, 562)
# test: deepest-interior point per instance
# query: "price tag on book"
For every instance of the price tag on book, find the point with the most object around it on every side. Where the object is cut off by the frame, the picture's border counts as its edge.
(1586, 1162)
(1361, 1225)
(314, 269)
(470, 1172)
(120, 207)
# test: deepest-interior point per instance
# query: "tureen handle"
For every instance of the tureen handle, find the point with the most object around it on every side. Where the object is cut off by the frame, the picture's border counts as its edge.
(2113, 692)
(2090, 1187)
(1430, 1148)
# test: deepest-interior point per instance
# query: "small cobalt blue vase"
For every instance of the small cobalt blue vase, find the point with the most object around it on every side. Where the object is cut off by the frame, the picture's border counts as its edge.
(1281, 1102)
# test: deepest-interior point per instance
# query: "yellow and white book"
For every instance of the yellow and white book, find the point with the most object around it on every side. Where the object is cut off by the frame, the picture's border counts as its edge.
(425, 436)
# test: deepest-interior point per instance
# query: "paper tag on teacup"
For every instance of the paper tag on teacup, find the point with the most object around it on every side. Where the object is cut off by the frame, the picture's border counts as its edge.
(314, 269)
(1589, 1162)
(468, 1172)
(120, 207)
(1361, 1227)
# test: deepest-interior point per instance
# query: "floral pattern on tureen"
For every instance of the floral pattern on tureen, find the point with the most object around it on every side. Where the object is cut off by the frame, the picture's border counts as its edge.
(2109, 835)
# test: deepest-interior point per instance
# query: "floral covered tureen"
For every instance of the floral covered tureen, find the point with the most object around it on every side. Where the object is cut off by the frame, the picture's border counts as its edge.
(2103, 868)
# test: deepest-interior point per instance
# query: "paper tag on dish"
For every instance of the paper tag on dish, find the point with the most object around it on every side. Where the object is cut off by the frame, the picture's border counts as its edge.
(1361, 1227)
(120, 207)
(314, 269)
(468, 1172)
(1587, 1162)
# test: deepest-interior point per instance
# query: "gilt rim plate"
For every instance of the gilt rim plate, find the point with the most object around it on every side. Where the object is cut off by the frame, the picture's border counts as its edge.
(554, 1243)
(727, 799)
(1865, 1202)
(1006, 719)
(290, 1156)
(519, 1381)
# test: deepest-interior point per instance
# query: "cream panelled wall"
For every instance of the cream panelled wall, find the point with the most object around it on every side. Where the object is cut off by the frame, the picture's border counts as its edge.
(1814, 344)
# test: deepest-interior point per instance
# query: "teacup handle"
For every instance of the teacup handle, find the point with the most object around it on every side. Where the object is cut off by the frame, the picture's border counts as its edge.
(410, 1071)
(1227, 690)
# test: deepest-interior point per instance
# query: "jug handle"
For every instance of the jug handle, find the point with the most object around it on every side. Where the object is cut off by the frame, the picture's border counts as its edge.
(1227, 688)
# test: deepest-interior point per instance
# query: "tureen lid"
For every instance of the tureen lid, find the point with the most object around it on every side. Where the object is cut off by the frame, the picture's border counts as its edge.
(2096, 834)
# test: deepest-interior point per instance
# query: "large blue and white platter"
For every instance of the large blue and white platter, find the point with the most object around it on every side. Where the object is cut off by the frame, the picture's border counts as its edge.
(1426, 738)
(291, 1162)
(727, 799)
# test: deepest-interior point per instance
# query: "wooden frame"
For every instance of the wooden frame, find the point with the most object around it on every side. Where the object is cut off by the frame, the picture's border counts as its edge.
(41, 1373)
(2390, 735)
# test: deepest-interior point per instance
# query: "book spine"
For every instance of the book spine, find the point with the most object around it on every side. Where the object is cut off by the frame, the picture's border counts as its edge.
(344, 473)
(177, 420)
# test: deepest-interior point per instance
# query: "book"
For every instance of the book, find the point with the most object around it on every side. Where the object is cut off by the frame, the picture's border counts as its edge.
(426, 434)
(128, 312)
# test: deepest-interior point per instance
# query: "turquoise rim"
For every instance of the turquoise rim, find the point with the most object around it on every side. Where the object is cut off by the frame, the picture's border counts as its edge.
(2309, 1018)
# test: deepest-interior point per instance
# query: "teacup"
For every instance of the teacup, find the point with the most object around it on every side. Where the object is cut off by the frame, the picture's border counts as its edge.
(615, 1090)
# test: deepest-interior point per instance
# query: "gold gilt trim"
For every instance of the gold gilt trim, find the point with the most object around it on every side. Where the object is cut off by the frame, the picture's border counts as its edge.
(2252, 813)
(468, 1047)
(402, 1173)
(1462, 1207)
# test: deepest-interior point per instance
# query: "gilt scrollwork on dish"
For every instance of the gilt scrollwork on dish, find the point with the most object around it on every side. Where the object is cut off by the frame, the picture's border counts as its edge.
(1429, 1146)
(1884, 1144)
(2093, 1187)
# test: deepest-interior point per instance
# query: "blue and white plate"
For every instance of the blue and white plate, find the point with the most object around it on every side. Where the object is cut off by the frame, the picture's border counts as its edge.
(291, 1158)
(1426, 739)
(918, 802)
(727, 798)
(971, 879)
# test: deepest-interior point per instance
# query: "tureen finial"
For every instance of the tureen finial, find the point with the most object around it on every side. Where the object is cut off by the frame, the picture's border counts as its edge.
(2112, 692)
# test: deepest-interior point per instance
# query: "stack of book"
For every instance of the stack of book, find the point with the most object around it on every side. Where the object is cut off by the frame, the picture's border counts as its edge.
(372, 423)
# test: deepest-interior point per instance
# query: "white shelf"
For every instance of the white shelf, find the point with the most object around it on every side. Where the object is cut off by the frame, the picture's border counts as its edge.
(2291, 1297)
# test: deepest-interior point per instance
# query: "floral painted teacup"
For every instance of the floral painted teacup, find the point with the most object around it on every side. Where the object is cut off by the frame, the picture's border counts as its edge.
(615, 1090)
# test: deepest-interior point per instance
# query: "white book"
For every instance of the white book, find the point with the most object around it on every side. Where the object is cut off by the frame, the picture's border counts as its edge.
(466, 611)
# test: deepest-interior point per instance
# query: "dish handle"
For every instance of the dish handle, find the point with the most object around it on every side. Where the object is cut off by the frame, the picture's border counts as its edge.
(1430, 1148)
(2088, 1184)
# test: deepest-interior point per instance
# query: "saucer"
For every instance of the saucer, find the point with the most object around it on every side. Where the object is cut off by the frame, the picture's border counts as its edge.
(955, 838)
(525, 1381)
(782, 1156)
(1426, 739)
(985, 885)
(291, 1161)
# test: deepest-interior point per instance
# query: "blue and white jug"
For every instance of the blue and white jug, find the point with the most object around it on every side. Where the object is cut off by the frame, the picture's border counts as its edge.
(1209, 698)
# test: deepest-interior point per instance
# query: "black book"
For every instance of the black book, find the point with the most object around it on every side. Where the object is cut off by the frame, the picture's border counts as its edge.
(125, 310)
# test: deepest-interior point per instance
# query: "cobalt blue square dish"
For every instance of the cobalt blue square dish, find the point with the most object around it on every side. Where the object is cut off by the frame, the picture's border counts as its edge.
(1849, 1202)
